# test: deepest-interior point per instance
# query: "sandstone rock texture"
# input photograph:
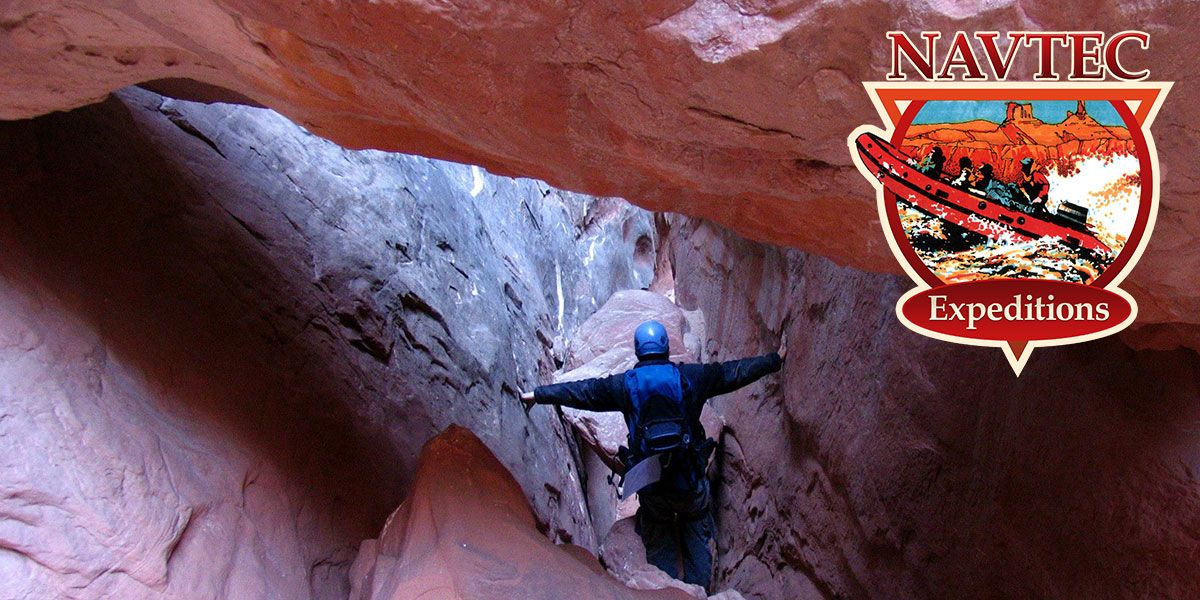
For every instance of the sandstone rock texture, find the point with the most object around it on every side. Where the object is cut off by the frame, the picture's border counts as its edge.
(624, 556)
(889, 465)
(224, 341)
(466, 532)
(733, 111)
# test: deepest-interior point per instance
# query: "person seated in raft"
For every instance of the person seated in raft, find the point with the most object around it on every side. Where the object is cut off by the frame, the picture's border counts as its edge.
(1034, 187)
(983, 177)
(966, 173)
(931, 165)
(1006, 194)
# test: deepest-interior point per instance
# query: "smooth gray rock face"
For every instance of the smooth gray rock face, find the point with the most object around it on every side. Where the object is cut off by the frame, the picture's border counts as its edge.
(224, 340)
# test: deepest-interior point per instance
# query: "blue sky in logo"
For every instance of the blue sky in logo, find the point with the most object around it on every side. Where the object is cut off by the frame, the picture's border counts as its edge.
(1050, 111)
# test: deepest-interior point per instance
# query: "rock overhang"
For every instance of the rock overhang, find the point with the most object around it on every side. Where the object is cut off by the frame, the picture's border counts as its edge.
(738, 116)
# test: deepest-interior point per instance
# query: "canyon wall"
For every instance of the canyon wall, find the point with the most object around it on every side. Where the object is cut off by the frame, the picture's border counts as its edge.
(888, 465)
(224, 341)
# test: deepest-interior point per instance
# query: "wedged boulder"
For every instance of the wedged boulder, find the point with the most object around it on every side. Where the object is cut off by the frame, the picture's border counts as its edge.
(604, 342)
(466, 532)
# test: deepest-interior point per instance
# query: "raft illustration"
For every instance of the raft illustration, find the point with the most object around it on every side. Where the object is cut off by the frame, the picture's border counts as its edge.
(970, 209)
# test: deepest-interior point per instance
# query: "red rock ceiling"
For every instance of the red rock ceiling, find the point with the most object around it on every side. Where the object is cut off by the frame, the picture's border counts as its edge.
(732, 111)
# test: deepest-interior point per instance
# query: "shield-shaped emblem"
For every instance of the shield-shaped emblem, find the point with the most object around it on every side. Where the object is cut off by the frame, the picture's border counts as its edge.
(1016, 208)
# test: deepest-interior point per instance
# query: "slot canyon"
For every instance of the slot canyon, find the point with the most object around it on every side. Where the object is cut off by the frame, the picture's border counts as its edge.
(274, 276)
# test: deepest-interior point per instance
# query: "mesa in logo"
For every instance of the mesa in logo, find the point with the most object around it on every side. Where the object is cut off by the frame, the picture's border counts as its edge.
(1016, 207)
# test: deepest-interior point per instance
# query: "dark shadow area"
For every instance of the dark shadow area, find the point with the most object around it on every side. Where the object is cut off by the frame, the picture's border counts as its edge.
(197, 91)
(182, 291)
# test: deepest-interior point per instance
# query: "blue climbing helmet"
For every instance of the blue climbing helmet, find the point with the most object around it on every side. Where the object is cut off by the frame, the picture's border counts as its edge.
(650, 339)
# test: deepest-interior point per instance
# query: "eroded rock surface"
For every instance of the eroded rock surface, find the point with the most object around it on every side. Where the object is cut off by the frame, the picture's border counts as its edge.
(625, 557)
(466, 532)
(223, 342)
(734, 111)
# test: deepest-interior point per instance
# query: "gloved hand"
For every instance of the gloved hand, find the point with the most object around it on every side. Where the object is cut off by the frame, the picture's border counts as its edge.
(782, 352)
(527, 400)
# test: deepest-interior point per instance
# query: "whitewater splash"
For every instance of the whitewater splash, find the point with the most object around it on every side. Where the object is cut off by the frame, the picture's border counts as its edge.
(1108, 186)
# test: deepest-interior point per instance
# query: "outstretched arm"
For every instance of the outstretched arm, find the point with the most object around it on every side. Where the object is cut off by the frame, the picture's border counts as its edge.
(722, 378)
(599, 395)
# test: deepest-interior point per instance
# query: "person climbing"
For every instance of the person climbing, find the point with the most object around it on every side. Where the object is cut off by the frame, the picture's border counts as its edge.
(932, 164)
(667, 457)
(1034, 186)
(966, 173)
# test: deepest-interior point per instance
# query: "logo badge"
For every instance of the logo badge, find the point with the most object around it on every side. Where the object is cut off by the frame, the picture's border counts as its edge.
(1016, 208)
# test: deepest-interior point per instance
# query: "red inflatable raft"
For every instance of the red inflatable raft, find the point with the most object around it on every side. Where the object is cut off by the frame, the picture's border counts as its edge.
(971, 210)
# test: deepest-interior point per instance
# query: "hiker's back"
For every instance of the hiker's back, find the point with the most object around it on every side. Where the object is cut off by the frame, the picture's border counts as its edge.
(658, 414)
(662, 424)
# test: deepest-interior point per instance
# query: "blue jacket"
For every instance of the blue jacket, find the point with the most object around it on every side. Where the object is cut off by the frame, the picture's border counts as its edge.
(699, 381)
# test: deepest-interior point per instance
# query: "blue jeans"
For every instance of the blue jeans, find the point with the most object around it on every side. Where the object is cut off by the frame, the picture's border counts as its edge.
(676, 527)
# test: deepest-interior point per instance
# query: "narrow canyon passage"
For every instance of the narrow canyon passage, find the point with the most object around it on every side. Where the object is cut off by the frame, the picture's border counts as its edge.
(274, 277)
(226, 342)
